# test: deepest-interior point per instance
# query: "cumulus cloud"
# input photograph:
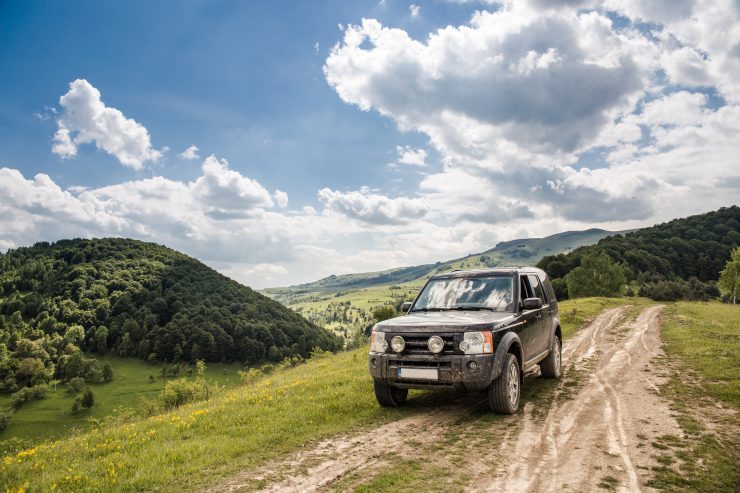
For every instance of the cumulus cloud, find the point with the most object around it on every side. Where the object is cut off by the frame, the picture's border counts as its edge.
(85, 119)
(409, 155)
(224, 191)
(549, 111)
(414, 10)
(190, 153)
(365, 206)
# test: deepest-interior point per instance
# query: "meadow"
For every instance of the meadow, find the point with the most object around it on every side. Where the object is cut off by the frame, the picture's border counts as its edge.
(131, 386)
(237, 429)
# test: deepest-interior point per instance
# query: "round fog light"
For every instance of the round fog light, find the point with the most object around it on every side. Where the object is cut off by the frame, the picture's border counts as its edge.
(472, 365)
(398, 344)
(436, 344)
(374, 363)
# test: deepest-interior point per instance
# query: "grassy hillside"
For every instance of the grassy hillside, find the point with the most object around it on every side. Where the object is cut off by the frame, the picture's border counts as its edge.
(135, 299)
(134, 382)
(238, 429)
(516, 252)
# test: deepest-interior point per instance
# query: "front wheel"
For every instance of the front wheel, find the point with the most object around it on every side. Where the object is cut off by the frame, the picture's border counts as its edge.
(551, 367)
(388, 396)
(503, 394)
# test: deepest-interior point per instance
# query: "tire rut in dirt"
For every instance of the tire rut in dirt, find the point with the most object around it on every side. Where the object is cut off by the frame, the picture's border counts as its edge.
(592, 436)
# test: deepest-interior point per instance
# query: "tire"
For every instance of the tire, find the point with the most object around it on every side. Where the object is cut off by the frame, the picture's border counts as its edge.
(504, 392)
(552, 366)
(388, 396)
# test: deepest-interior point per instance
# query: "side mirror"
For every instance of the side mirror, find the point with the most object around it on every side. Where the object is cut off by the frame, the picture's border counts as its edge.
(532, 303)
(406, 306)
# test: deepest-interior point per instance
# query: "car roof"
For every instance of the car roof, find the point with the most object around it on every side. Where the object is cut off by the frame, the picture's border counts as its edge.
(494, 271)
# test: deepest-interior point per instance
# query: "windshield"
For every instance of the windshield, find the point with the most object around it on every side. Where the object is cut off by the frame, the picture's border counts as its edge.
(474, 293)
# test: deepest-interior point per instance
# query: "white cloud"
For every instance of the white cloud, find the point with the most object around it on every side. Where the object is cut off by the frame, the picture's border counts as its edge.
(409, 155)
(373, 208)
(414, 10)
(85, 119)
(281, 198)
(224, 191)
(190, 153)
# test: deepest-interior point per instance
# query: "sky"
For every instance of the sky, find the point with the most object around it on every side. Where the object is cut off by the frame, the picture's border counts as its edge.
(281, 142)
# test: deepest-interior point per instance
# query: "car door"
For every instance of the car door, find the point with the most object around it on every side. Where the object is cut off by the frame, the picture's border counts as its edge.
(529, 329)
(541, 334)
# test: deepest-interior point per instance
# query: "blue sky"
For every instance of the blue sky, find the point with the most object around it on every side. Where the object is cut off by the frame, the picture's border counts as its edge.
(338, 137)
(240, 79)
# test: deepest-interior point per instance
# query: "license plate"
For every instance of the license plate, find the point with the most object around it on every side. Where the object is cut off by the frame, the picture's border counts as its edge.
(419, 373)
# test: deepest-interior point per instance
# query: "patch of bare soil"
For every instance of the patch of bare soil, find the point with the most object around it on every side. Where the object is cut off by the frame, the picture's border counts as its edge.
(601, 437)
(333, 459)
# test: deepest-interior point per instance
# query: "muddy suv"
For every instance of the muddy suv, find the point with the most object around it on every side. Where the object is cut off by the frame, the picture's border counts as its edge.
(470, 330)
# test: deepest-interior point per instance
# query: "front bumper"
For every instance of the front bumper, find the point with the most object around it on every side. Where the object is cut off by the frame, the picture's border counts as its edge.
(454, 372)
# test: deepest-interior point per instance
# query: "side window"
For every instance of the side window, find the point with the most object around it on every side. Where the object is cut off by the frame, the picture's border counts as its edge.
(537, 288)
(525, 288)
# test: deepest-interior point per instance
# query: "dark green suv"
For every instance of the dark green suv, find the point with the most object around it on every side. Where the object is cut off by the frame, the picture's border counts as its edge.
(470, 330)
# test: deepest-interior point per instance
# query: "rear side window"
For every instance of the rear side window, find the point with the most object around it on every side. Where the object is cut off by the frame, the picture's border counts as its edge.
(534, 281)
(525, 288)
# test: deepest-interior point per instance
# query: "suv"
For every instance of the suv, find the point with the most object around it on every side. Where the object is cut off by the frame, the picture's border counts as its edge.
(470, 330)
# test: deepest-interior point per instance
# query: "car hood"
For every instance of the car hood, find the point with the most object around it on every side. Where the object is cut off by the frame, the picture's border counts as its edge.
(452, 321)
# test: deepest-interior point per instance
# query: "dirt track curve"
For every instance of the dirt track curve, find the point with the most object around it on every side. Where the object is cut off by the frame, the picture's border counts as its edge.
(595, 427)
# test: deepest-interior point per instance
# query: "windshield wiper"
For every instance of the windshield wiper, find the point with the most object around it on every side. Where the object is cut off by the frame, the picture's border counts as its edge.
(472, 308)
(432, 309)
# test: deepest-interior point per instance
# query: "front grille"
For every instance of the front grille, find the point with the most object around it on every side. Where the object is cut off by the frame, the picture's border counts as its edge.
(418, 364)
(417, 343)
(423, 383)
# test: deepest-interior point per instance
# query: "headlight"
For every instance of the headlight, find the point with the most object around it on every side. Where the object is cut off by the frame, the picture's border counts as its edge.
(378, 344)
(398, 344)
(477, 343)
(436, 344)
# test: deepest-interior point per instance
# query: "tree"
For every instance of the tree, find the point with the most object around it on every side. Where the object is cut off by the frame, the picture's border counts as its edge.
(107, 372)
(88, 398)
(729, 278)
(101, 339)
(384, 313)
(598, 275)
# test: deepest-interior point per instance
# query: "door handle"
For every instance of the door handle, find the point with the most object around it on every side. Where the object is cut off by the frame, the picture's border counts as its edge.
(538, 317)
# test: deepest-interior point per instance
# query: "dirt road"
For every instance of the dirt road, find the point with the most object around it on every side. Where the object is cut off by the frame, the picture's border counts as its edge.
(591, 430)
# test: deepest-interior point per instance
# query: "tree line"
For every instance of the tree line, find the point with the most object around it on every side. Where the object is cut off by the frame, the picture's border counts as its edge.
(680, 259)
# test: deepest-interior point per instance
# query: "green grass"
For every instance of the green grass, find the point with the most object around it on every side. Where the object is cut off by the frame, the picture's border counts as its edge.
(51, 417)
(702, 345)
(199, 443)
(576, 312)
(706, 336)
(236, 430)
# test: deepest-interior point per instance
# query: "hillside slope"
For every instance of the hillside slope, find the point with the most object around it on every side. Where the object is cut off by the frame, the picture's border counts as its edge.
(141, 299)
(514, 252)
(696, 246)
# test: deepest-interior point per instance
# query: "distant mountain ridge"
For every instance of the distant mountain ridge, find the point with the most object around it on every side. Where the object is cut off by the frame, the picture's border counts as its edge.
(506, 253)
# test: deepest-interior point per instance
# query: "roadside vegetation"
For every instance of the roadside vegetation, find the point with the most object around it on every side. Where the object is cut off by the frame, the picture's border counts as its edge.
(702, 344)
(237, 429)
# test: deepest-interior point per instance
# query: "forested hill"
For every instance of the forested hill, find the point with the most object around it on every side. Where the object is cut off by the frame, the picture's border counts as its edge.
(142, 300)
(696, 246)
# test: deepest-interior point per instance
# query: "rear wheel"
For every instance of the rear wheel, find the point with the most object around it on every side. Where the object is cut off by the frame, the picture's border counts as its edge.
(503, 394)
(551, 367)
(388, 396)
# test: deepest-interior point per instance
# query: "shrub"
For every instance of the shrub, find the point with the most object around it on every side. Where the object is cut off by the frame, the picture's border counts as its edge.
(5, 417)
(107, 372)
(183, 391)
(251, 375)
(76, 385)
(24, 395)
(88, 398)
